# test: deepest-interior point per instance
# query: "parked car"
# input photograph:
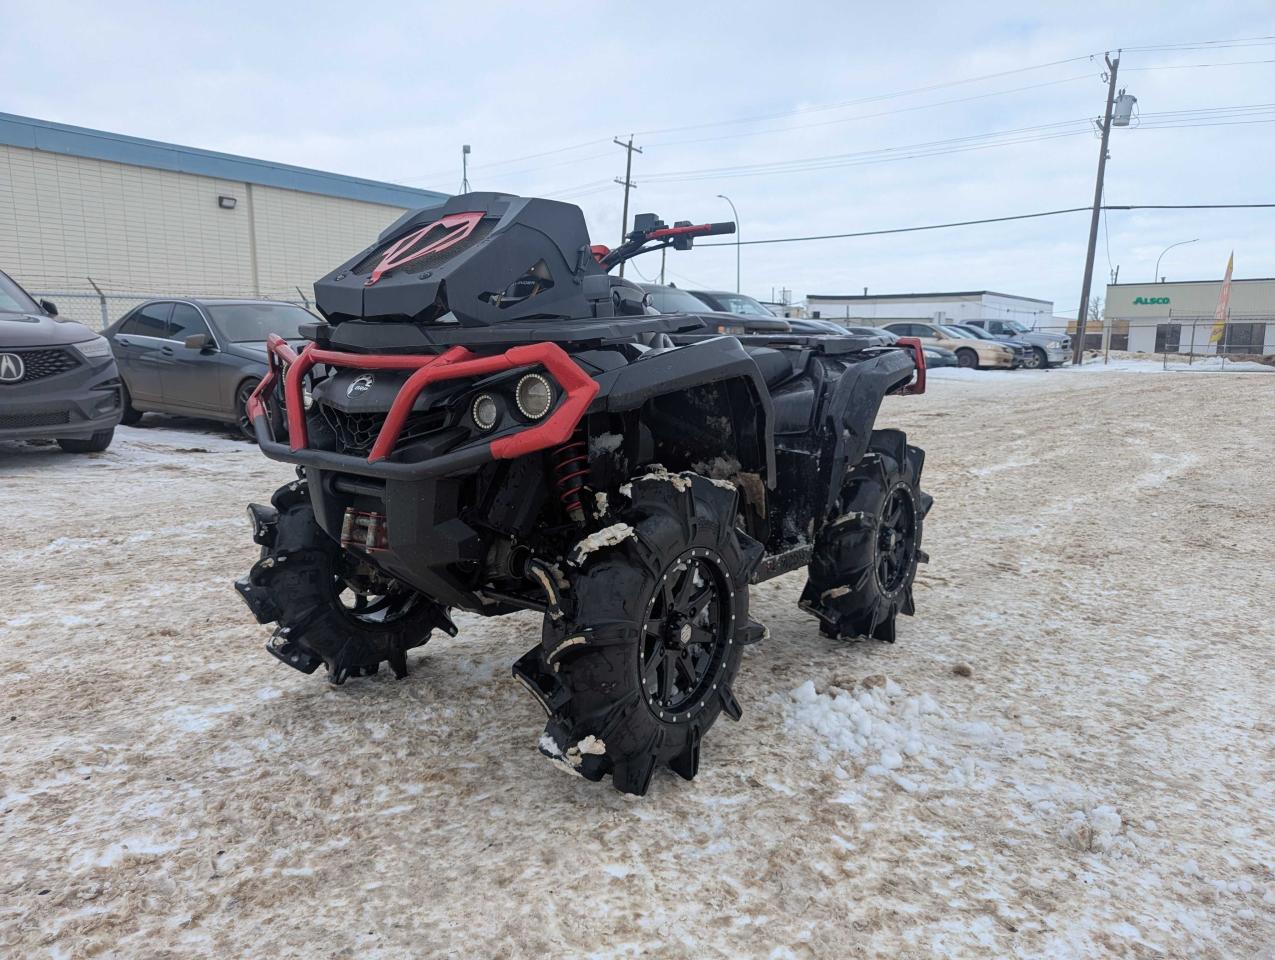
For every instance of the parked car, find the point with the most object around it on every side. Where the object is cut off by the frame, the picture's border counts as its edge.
(970, 351)
(670, 299)
(737, 303)
(1048, 349)
(58, 380)
(1022, 351)
(198, 358)
(935, 356)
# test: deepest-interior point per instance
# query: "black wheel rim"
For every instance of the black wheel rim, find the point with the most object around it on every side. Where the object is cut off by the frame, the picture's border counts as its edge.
(686, 635)
(367, 608)
(896, 539)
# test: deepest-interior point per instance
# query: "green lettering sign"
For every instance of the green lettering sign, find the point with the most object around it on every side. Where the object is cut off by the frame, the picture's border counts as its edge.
(1148, 301)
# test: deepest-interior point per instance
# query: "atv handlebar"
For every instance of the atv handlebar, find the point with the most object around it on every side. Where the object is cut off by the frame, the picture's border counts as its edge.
(695, 230)
(649, 229)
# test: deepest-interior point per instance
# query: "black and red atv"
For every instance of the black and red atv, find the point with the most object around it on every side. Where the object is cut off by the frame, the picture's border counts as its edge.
(488, 420)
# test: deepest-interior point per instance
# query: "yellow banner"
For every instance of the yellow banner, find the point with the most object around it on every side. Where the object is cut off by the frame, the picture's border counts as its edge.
(1219, 315)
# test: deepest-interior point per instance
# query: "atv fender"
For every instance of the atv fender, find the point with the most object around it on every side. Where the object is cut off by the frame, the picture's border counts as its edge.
(664, 372)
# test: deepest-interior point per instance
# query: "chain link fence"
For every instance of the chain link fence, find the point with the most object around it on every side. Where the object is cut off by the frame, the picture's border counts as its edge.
(98, 308)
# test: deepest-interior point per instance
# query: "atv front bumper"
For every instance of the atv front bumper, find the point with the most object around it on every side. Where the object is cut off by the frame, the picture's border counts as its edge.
(579, 390)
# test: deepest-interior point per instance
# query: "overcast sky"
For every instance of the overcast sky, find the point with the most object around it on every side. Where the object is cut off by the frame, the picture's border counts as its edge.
(391, 92)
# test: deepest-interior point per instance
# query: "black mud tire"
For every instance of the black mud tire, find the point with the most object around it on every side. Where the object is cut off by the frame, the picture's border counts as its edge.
(625, 698)
(965, 357)
(130, 415)
(92, 444)
(865, 558)
(299, 583)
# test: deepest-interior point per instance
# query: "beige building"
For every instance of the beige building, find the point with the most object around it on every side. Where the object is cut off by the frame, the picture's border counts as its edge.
(97, 221)
(1178, 317)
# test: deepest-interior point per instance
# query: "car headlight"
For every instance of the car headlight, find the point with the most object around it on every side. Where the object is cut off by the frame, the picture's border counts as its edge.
(485, 411)
(1054, 345)
(94, 349)
(534, 396)
(734, 329)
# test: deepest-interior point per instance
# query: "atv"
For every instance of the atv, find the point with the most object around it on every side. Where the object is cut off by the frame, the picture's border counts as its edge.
(488, 420)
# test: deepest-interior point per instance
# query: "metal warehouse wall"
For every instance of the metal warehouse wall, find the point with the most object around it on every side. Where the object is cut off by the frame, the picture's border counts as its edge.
(141, 230)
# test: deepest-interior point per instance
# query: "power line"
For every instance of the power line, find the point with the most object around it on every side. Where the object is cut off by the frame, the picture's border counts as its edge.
(1019, 216)
(1193, 66)
(873, 99)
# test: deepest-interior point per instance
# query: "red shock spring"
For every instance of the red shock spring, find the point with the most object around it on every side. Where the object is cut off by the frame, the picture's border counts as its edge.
(570, 466)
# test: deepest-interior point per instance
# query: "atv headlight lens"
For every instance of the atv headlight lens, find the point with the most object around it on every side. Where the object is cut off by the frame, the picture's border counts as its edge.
(534, 396)
(93, 349)
(485, 411)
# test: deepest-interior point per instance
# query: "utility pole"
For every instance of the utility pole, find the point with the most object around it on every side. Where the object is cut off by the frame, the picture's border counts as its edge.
(464, 169)
(663, 257)
(628, 185)
(1078, 348)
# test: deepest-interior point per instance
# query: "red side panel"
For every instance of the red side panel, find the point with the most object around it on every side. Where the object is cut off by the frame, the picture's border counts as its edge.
(918, 355)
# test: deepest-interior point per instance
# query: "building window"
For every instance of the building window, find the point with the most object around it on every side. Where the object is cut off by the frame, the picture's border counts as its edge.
(1243, 338)
(1168, 338)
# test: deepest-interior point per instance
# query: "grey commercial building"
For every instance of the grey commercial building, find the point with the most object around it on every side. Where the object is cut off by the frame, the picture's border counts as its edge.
(1179, 317)
(85, 210)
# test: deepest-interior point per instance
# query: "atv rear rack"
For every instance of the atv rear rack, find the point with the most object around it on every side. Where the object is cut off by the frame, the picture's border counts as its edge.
(452, 364)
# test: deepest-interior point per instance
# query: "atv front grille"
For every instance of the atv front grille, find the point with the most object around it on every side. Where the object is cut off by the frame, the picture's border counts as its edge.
(39, 364)
(430, 260)
(17, 419)
(356, 432)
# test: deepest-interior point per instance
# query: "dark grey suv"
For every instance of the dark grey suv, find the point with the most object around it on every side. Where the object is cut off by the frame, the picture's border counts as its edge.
(198, 358)
(57, 377)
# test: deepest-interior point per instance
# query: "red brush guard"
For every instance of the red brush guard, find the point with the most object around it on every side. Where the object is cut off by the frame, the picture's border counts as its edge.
(452, 364)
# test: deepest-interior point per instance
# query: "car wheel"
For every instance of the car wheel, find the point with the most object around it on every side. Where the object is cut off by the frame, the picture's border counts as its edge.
(966, 357)
(241, 407)
(94, 444)
(131, 415)
(1035, 360)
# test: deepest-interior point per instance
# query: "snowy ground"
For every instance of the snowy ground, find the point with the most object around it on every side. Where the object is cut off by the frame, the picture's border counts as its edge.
(1070, 752)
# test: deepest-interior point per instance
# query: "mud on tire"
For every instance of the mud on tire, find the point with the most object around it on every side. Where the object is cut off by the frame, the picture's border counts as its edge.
(302, 583)
(641, 662)
(860, 576)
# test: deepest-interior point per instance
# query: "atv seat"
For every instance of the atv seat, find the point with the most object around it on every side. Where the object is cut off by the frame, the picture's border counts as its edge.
(774, 364)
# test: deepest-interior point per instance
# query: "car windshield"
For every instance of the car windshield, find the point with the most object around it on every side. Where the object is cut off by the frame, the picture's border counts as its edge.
(251, 322)
(957, 333)
(673, 300)
(1015, 326)
(974, 332)
(13, 298)
(743, 305)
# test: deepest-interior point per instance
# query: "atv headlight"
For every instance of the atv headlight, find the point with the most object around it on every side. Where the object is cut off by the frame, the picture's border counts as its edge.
(485, 411)
(534, 396)
(94, 349)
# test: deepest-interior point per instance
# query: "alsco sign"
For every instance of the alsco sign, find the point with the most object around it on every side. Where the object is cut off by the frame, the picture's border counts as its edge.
(1148, 301)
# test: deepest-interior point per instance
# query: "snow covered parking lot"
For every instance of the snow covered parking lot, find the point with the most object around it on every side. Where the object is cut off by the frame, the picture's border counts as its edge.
(1070, 752)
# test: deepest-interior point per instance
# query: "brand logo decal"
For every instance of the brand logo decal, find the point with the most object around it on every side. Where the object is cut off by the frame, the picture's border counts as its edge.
(11, 368)
(1148, 301)
(359, 385)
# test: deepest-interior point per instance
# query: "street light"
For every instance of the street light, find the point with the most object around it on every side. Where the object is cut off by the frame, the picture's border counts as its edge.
(1156, 278)
(722, 196)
